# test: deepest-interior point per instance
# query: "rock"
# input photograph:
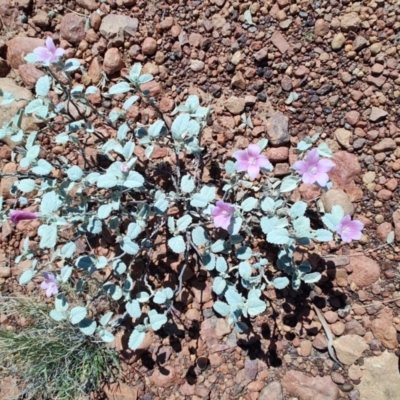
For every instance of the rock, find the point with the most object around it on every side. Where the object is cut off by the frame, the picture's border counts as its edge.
(365, 271)
(90, 5)
(120, 391)
(273, 391)
(383, 329)
(261, 55)
(321, 27)
(352, 117)
(305, 348)
(235, 105)
(8, 111)
(41, 19)
(4, 68)
(153, 87)
(386, 144)
(113, 61)
(196, 65)
(117, 24)
(359, 43)
(396, 221)
(380, 376)
(72, 28)
(10, 16)
(278, 129)
(309, 191)
(19, 47)
(353, 327)
(286, 83)
(168, 23)
(149, 46)
(355, 372)
(196, 39)
(95, 71)
(343, 137)
(301, 72)
(166, 104)
(350, 22)
(277, 154)
(338, 41)
(280, 42)
(349, 348)
(383, 230)
(164, 379)
(377, 114)
(343, 174)
(238, 81)
(29, 74)
(298, 384)
(334, 197)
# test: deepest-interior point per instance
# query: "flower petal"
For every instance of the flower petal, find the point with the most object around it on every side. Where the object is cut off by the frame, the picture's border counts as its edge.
(325, 165)
(263, 162)
(308, 178)
(253, 150)
(253, 171)
(312, 157)
(241, 165)
(321, 178)
(301, 167)
(241, 155)
(50, 44)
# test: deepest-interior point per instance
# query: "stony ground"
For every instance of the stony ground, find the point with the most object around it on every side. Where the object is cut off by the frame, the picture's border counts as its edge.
(296, 68)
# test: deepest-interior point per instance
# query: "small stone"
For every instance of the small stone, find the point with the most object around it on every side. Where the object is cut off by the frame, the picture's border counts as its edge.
(333, 197)
(338, 41)
(286, 83)
(280, 42)
(113, 61)
(196, 65)
(261, 55)
(386, 144)
(165, 378)
(238, 81)
(321, 27)
(235, 105)
(301, 72)
(331, 316)
(343, 137)
(383, 329)
(349, 348)
(360, 43)
(365, 271)
(273, 391)
(149, 46)
(90, 5)
(113, 25)
(72, 28)
(338, 328)
(278, 129)
(353, 327)
(377, 69)
(383, 230)
(167, 23)
(305, 348)
(377, 114)
(384, 195)
(19, 47)
(352, 117)
(350, 22)
(29, 74)
(277, 154)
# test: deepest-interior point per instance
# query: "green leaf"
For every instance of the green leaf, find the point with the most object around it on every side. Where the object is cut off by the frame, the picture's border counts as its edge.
(25, 277)
(58, 315)
(106, 336)
(219, 246)
(219, 285)
(42, 86)
(323, 235)
(221, 265)
(245, 270)
(312, 277)
(390, 238)
(65, 273)
(255, 305)
(221, 308)
(42, 168)
(180, 126)
(26, 185)
(187, 184)
(280, 283)
(244, 253)
(278, 236)
(104, 211)
(74, 173)
(268, 205)
(68, 249)
(129, 246)
(324, 150)
(159, 297)
(208, 260)
(249, 204)
(50, 203)
(177, 244)
(289, 183)
(77, 314)
(87, 326)
(61, 303)
(48, 235)
(183, 222)
(199, 236)
(119, 88)
(134, 180)
(108, 181)
(298, 209)
(156, 320)
(134, 309)
(119, 267)
(136, 338)
(199, 200)
(113, 290)
(72, 64)
(208, 192)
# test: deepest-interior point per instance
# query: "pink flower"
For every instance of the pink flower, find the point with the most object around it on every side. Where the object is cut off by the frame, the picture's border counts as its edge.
(19, 215)
(313, 169)
(48, 54)
(349, 230)
(250, 160)
(49, 284)
(124, 168)
(222, 213)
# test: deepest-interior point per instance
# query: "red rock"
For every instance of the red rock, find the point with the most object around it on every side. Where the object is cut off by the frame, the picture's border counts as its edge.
(384, 194)
(383, 230)
(280, 42)
(29, 74)
(277, 154)
(159, 152)
(301, 71)
(383, 329)
(352, 117)
(120, 391)
(149, 46)
(72, 28)
(321, 27)
(153, 87)
(166, 104)
(365, 271)
(377, 69)
(167, 23)
(19, 47)
(89, 5)
(196, 39)
(391, 184)
(175, 31)
(298, 384)
(338, 328)
(309, 191)
(331, 317)
(113, 61)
